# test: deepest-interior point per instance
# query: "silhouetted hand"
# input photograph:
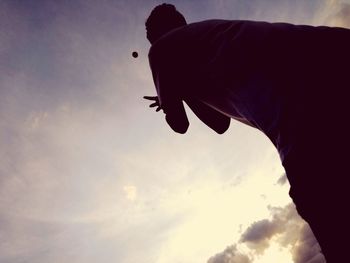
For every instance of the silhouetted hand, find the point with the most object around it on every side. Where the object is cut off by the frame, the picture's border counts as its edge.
(156, 102)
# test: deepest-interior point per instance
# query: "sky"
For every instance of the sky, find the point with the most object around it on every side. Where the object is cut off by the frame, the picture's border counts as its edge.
(88, 173)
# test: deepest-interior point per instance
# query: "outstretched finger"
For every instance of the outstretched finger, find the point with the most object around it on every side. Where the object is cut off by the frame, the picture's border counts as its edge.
(154, 104)
(150, 97)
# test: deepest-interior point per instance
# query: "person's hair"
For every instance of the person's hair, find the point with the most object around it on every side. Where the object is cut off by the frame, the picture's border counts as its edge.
(163, 19)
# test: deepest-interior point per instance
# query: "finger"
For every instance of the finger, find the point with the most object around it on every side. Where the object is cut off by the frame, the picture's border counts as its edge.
(154, 104)
(158, 109)
(150, 97)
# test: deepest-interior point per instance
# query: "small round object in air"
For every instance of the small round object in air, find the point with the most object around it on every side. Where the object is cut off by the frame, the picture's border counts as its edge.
(135, 54)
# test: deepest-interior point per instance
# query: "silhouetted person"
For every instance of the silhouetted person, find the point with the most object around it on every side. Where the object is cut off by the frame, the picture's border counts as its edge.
(288, 81)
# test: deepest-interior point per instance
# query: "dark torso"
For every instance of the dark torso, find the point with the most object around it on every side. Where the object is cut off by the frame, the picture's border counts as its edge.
(266, 73)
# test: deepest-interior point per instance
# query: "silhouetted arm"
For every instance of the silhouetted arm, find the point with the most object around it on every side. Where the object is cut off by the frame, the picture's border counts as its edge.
(211, 117)
(168, 76)
(175, 115)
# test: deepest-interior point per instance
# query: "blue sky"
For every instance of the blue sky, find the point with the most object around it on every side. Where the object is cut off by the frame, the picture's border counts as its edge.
(89, 174)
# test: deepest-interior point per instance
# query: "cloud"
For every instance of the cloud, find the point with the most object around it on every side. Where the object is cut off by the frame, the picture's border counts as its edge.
(230, 255)
(257, 236)
(339, 14)
(283, 179)
(286, 229)
(306, 250)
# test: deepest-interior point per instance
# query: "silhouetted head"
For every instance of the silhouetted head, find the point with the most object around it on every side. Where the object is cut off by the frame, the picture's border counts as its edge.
(163, 19)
